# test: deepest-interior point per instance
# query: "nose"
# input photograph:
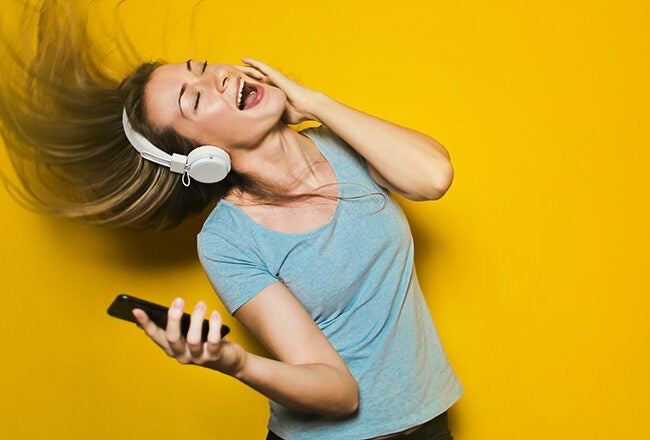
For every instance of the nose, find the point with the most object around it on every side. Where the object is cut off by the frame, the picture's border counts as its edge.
(219, 76)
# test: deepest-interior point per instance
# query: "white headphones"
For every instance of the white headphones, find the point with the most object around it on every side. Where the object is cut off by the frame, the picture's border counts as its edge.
(205, 164)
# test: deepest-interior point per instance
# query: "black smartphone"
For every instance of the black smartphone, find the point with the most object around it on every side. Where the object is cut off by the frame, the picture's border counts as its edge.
(122, 307)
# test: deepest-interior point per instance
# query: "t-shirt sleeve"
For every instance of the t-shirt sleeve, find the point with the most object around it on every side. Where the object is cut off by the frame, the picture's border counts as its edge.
(234, 267)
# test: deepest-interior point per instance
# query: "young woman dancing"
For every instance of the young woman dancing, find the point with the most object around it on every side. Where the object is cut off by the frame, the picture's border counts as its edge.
(304, 244)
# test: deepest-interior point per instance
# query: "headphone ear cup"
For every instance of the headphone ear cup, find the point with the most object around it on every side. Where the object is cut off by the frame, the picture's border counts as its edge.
(208, 164)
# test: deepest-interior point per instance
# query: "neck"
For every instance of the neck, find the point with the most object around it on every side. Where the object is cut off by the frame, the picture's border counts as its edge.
(285, 160)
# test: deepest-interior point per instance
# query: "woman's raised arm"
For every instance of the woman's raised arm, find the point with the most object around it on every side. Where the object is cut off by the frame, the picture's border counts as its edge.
(400, 159)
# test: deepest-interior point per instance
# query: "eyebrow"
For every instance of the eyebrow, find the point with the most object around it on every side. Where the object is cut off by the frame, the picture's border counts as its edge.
(188, 63)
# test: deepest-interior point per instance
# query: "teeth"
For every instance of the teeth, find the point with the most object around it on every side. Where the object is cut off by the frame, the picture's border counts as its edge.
(239, 94)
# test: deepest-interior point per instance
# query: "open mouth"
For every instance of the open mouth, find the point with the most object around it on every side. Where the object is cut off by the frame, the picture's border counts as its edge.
(248, 96)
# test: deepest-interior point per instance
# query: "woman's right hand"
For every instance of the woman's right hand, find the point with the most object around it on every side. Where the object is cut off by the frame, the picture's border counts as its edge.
(216, 353)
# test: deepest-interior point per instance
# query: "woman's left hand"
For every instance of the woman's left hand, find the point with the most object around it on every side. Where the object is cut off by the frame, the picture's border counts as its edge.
(299, 98)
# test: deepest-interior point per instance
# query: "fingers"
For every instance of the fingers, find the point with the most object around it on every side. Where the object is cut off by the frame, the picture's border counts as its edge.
(213, 344)
(173, 331)
(265, 69)
(189, 348)
(151, 329)
(262, 67)
(299, 98)
(145, 323)
(194, 342)
(253, 73)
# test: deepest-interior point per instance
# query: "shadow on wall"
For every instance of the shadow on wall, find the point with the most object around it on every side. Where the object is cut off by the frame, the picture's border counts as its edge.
(430, 243)
(122, 247)
(135, 251)
(177, 247)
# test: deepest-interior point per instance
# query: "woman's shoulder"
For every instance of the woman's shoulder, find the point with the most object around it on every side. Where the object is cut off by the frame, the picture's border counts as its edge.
(325, 138)
(340, 155)
(225, 222)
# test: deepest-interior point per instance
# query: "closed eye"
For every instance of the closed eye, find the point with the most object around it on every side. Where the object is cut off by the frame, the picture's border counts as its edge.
(196, 103)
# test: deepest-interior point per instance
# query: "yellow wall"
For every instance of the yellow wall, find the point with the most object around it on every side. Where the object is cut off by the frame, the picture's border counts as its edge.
(535, 263)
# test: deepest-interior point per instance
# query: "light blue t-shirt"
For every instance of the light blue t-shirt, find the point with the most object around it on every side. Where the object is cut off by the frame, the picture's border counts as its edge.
(355, 276)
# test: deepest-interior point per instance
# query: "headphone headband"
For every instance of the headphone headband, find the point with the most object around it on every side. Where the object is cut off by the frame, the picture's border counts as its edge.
(207, 164)
(148, 150)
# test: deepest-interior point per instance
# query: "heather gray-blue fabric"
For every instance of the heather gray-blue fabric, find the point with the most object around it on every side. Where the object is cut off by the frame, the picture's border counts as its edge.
(355, 276)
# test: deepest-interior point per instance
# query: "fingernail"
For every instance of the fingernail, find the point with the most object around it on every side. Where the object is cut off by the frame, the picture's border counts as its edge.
(178, 303)
(213, 315)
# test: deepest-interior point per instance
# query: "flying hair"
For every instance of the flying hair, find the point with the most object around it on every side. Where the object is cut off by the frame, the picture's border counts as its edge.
(61, 122)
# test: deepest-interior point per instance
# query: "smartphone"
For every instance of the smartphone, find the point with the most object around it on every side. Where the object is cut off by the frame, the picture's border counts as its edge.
(123, 306)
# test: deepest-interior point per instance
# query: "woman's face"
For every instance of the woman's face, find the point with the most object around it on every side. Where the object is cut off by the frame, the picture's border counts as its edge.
(214, 104)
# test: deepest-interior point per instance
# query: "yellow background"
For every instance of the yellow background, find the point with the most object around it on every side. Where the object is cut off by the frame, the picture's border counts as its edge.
(535, 264)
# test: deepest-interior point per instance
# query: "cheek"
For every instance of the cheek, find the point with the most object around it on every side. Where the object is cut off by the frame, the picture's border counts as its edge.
(216, 120)
(220, 125)
(278, 98)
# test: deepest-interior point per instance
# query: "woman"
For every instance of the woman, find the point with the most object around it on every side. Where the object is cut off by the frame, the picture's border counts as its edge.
(305, 245)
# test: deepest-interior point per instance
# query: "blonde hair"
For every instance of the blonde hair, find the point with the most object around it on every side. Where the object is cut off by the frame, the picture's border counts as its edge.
(60, 118)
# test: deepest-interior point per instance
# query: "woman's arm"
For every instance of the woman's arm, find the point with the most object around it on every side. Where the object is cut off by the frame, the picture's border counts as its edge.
(308, 375)
(400, 159)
